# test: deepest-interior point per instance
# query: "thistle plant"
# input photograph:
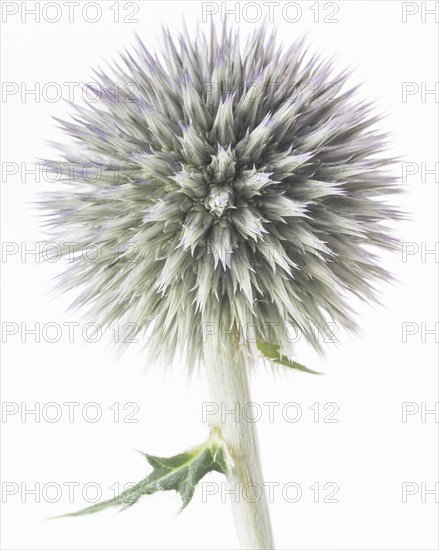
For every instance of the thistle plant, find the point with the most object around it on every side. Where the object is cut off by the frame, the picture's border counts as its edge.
(240, 191)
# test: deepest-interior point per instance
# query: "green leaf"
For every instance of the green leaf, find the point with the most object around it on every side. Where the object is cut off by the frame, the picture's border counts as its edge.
(179, 473)
(271, 352)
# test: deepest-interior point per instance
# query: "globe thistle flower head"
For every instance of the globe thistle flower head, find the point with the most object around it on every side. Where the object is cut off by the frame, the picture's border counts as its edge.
(235, 188)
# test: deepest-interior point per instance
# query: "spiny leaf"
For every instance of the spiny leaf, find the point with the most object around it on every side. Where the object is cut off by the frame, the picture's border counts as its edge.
(271, 352)
(179, 473)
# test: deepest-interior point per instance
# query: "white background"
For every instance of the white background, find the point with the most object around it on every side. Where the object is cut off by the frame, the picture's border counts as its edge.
(369, 453)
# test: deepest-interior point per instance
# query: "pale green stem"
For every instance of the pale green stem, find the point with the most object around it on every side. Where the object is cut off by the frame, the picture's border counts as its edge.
(228, 385)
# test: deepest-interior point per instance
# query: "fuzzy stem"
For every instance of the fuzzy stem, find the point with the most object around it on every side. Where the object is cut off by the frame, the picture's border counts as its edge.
(228, 385)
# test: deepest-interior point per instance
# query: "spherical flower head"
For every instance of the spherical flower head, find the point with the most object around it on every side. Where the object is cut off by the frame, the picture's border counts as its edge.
(237, 188)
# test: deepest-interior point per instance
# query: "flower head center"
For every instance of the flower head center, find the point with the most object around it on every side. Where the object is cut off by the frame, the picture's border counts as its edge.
(219, 199)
